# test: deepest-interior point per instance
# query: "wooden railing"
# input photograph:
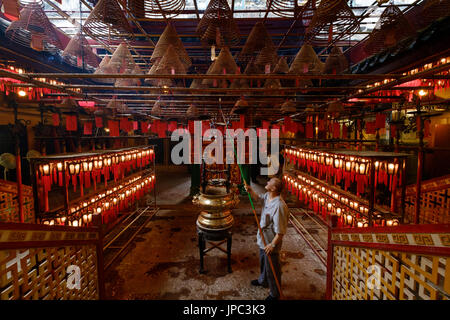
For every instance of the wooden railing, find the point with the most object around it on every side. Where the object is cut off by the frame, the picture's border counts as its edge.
(50, 262)
(408, 262)
(9, 205)
(434, 201)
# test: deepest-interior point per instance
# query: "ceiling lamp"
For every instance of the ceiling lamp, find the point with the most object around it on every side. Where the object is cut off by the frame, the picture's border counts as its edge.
(170, 38)
(256, 40)
(156, 8)
(336, 62)
(107, 21)
(218, 17)
(334, 16)
(391, 28)
(78, 47)
(104, 68)
(122, 59)
(33, 29)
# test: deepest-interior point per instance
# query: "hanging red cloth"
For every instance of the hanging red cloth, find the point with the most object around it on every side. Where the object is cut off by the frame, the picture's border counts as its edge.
(71, 123)
(172, 126)
(144, 127)
(380, 120)
(242, 122)
(162, 128)
(55, 118)
(99, 122)
(265, 124)
(309, 131)
(113, 128)
(87, 130)
(336, 130)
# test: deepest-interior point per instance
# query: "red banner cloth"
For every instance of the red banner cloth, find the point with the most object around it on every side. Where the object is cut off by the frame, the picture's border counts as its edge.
(309, 131)
(113, 128)
(124, 124)
(99, 122)
(87, 128)
(266, 124)
(321, 125)
(191, 126)
(371, 127)
(55, 118)
(242, 122)
(336, 130)
(288, 124)
(172, 126)
(144, 126)
(344, 131)
(71, 123)
(135, 125)
(380, 120)
(154, 127)
(205, 126)
(162, 128)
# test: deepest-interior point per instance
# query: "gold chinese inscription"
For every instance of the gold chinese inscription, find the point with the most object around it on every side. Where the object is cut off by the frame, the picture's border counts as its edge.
(400, 238)
(445, 239)
(367, 238)
(382, 238)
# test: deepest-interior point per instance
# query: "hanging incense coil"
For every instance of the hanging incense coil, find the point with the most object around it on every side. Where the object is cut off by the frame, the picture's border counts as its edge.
(240, 107)
(333, 16)
(218, 15)
(283, 8)
(272, 84)
(256, 41)
(114, 105)
(224, 64)
(393, 27)
(250, 69)
(170, 37)
(156, 109)
(104, 68)
(107, 21)
(288, 107)
(33, 29)
(282, 66)
(156, 8)
(129, 82)
(192, 111)
(306, 62)
(336, 62)
(267, 56)
(122, 59)
(170, 63)
(79, 47)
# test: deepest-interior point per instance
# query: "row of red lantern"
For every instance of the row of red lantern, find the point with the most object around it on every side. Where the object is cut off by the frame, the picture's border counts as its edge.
(107, 204)
(82, 170)
(325, 202)
(324, 165)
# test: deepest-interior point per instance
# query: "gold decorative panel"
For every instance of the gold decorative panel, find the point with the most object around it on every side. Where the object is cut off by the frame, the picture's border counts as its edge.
(401, 275)
(47, 273)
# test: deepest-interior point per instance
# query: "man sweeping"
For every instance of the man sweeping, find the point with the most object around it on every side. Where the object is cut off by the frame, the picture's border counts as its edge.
(273, 222)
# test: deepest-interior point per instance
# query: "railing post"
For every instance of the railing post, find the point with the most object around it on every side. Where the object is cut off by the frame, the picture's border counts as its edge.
(329, 287)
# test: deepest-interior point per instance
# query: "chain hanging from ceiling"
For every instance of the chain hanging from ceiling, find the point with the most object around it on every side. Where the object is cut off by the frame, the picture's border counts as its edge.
(107, 21)
(155, 8)
(33, 29)
(332, 18)
(217, 26)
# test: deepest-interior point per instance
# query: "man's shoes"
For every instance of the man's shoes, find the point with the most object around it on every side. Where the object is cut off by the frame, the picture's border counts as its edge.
(257, 284)
(271, 298)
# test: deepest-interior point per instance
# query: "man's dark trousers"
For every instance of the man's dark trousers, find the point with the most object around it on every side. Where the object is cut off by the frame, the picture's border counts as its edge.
(266, 275)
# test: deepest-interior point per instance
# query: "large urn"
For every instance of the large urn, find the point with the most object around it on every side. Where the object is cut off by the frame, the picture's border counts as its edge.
(215, 204)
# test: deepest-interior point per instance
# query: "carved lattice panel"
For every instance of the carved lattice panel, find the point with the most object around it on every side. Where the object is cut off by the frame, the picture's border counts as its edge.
(42, 273)
(402, 276)
(9, 206)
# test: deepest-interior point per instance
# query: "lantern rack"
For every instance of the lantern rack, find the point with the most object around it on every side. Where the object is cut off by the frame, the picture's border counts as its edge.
(121, 169)
(326, 200)
(341, 169)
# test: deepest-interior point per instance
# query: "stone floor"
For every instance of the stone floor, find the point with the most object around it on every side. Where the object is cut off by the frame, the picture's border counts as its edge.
(163, 260)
